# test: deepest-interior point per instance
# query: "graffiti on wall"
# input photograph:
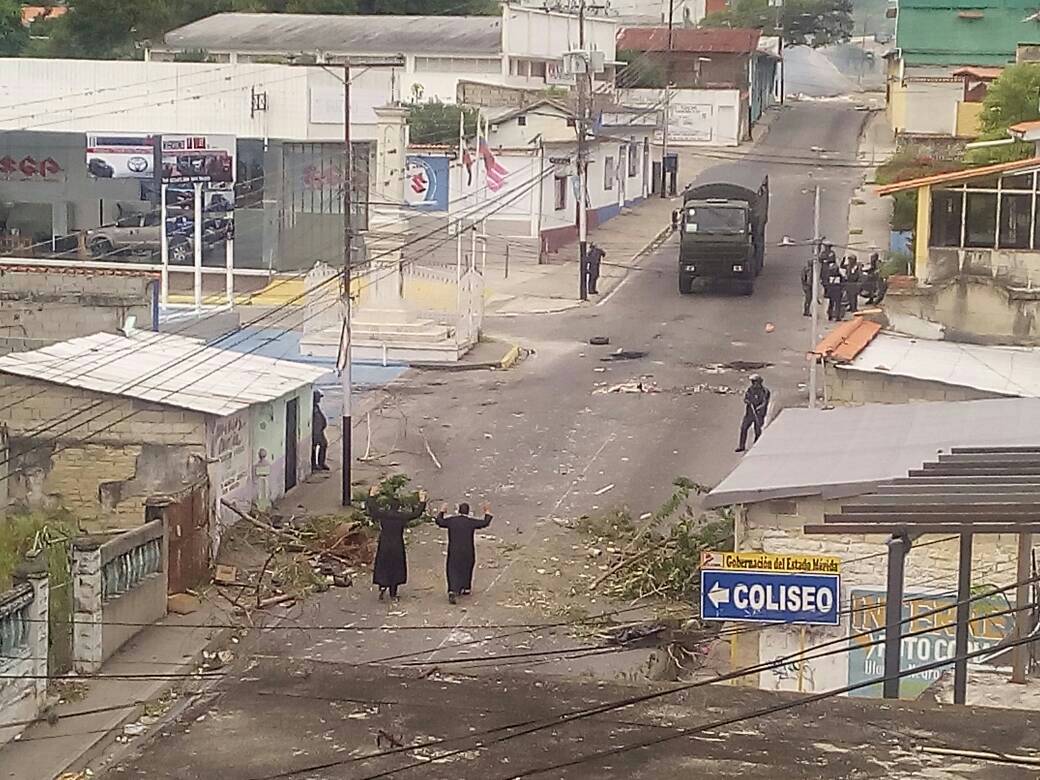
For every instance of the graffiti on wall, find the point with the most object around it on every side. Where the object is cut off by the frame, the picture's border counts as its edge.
(229, 447)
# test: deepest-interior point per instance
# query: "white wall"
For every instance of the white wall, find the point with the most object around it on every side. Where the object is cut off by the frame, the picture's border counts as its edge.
(697, 117)
(304, 103)
(931, 107)
(528, 32)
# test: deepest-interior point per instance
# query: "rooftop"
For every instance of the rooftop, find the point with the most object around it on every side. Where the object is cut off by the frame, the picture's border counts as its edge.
(1010, 371)
(689, 40)
(340, 34)
(984, 74)
(848, 451)
(165, 369)
(847, 340)
(956, 177)
(964, 32)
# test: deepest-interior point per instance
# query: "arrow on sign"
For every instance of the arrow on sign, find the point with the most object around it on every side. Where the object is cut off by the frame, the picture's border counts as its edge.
(718, 595)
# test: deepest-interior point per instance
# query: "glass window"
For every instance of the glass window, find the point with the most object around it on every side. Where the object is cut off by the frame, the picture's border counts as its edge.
(726, 220)
(538, 69)
(1016, 213)
(984, 183)
(946, 218)
(521, 120)
(981, 220)
(633, 159)
(560, 193)
(608, 174)
(1020, 181)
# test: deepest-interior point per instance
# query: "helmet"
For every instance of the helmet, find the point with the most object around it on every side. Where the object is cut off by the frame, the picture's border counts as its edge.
(756, 378)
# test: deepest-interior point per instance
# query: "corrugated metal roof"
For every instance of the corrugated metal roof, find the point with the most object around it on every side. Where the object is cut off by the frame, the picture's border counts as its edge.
(958, 176)
(848, 451)
(1012, 371)
(847, 340)
(708, 39)
(341, 34)
(964, 32)
(165, 369)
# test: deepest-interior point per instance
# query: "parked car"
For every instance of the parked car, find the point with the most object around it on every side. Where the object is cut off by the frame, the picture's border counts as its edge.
(142, 234)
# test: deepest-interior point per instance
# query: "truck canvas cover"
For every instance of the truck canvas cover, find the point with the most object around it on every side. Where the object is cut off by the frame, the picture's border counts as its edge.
(732, 181)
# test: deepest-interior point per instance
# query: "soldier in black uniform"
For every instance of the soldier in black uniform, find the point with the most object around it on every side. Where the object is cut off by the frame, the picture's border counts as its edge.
(756, 407)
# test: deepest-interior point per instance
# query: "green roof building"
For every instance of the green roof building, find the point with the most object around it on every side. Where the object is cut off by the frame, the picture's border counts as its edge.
(964, 32)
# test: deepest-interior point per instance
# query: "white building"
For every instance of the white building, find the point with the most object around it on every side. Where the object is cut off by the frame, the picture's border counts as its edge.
(522, 47)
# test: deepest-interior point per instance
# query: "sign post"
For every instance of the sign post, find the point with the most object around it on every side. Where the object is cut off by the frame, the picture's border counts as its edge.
(771, 588)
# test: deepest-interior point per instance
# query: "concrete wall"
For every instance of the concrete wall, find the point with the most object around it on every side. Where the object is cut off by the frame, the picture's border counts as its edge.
(853, 388)
(106, 480)
(931, 107)
(1007, 266)
(972, 310)
(968, 118)
(776, 526)
(40, 307)
(23, 687)
(534, 33)
(104, 623)
(698, 117)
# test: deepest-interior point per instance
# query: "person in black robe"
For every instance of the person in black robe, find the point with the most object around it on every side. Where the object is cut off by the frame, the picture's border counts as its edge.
(391, 566)
(461, 554)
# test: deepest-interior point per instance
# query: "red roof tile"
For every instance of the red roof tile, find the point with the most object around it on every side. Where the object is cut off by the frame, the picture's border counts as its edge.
(985, 74)
(710, 39)
(847, 340)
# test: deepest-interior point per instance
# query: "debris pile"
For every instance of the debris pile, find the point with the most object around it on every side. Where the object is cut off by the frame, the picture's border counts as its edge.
(661, 558)
(304, 555)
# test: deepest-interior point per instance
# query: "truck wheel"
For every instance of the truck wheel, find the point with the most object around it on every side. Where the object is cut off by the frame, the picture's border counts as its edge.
(685, 285)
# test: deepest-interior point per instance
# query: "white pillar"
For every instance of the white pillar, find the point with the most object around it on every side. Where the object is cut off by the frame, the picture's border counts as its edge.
(230, 280)
(164, 251)
(198, 248)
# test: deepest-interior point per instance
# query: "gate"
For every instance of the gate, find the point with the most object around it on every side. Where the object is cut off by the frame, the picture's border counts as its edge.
(187, 535)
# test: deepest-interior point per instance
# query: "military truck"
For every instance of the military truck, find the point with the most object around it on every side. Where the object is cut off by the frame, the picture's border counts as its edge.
(722, 227)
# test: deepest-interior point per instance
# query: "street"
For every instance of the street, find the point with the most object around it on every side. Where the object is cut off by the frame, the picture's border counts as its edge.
(546, 443)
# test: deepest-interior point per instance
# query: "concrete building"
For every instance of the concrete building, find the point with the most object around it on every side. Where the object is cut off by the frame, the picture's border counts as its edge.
(521, 47)
(147, 413)
(865, 364)
(936, 44)
(976, 255)
(722, 79)
(283, 126)
(806, 463)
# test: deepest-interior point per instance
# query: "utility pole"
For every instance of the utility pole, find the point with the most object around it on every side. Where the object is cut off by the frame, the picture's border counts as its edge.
(348, 229)
(815, 292)
(667, 101)
(780, 44)
(583, 222)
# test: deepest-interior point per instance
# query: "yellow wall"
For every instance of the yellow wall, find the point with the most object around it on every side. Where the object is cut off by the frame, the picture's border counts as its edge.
(896, 106)
(968, 115)
(922, 231)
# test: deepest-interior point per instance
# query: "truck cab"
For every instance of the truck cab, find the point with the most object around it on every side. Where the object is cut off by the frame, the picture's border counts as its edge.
(722, 229)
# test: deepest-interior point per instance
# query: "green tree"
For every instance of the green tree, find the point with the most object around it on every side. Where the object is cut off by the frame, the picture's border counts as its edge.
(13, 35)
(802, 22)
(1011, 99)
(438, 123)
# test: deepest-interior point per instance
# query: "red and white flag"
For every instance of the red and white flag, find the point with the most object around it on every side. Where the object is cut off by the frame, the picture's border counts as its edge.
(493, 170)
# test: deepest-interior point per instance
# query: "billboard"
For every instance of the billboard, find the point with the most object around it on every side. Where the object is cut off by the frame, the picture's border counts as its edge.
(867, 661)
(121, 156)
(426, 182)
(198, 158)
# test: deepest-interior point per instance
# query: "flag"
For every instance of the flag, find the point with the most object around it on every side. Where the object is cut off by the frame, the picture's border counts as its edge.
(493, 170)
(464, 155)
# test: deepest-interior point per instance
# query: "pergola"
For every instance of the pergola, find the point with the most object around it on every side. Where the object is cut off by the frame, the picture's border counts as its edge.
(972, 490)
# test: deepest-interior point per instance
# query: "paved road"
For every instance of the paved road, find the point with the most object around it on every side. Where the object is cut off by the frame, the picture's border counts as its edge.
(543, 444)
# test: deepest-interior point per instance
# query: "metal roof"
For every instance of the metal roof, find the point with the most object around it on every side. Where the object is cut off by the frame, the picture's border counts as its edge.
(964, 32)
(719, 40)
(1011, 371)
(848, 451)
(847, 340)
(967, 174)
(341, 34)
(165, 369)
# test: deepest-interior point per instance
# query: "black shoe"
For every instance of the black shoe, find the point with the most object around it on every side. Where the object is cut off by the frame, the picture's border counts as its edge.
(464, 592)
(382, 593)
(740, 449)
(323, 467)
(593, 292)
(452, 599)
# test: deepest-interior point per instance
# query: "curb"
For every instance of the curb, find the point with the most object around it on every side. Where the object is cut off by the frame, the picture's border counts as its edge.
(510, 359)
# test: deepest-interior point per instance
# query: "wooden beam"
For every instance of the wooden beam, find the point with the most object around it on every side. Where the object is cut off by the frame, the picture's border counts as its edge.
(1020, 653)
(988, 450)
(928, 478)
(907, 518)
(930, 506)
(1009, 458)
(875, 529)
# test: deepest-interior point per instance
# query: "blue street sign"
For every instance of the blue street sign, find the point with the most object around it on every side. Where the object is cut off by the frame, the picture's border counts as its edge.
(769, 597)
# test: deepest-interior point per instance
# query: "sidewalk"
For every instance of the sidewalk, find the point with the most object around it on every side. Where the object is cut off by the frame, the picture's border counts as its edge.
(44, 751)
(869, 214)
